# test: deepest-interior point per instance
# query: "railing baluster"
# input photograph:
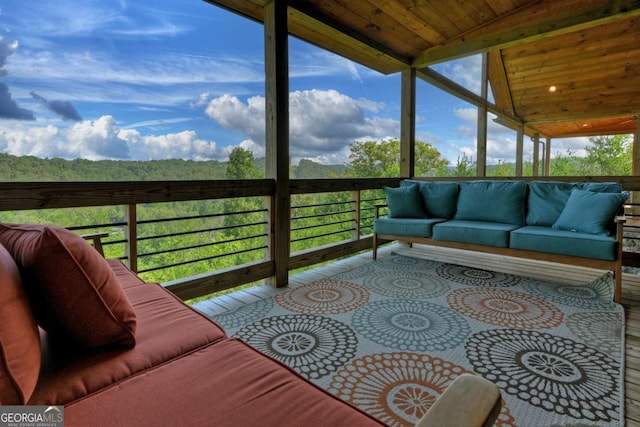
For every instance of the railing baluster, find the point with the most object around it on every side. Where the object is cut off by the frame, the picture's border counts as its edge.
(131, 235)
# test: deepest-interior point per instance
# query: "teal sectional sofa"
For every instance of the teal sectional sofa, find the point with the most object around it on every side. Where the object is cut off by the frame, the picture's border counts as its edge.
(566, 222)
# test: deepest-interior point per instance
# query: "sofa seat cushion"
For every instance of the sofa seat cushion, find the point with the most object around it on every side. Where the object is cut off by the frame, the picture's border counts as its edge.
(73, 292)
(167, 329)
(227, 384)
(477, 232)
(19, 339)
(416, 227)
(547, 239)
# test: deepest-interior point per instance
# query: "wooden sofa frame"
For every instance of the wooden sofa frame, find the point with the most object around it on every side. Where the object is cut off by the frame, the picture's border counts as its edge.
(614, 266)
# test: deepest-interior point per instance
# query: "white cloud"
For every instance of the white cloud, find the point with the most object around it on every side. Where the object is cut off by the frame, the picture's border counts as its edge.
(322, 123)
(104, 139)
(464, 71)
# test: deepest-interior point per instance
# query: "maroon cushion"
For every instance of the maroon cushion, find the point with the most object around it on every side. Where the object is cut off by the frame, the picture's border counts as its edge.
(73, 292)
(227, 384)
(167, 329)
(19, 338)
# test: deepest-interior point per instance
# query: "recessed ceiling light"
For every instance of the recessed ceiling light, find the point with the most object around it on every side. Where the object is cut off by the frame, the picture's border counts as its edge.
(552, 89)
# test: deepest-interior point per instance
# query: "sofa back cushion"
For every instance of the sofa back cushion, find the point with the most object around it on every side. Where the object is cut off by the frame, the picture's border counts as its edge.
(19, 338)
(74, 294)
(493, 201)
(439, 199)
(547, 199)
(404, 202)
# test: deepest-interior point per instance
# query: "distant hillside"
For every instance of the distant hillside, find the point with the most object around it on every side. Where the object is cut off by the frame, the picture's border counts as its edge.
(14, 168)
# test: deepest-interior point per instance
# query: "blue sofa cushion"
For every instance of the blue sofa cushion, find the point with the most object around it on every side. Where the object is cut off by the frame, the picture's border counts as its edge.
(590, 212)
(478, 232)
(417, 227)
(547, 199)
(404, 202)
(439, 199)
(546, 239)
(492, 201)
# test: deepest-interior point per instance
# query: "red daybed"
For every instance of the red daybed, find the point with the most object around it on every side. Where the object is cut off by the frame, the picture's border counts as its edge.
(116, 351)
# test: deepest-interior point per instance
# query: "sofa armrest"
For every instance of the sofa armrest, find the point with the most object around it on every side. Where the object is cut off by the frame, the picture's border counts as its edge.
(96, 240)
(470, 401)
(378, 207)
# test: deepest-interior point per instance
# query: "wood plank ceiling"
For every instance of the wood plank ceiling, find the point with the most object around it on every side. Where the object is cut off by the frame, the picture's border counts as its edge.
(589, 50)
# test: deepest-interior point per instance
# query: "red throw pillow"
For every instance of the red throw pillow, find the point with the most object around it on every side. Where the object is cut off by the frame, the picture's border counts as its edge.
(73, 292)
(19, 338)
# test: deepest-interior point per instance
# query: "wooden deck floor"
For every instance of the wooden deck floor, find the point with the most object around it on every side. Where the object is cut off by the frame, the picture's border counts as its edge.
(540, 270)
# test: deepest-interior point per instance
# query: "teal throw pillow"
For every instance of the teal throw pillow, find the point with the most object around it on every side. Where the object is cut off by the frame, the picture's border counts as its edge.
(439, 199)
(404, 202)
(590, 212)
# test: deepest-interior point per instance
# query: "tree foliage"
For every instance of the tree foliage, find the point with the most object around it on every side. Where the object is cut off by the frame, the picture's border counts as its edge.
(606, 155)
(373, 159)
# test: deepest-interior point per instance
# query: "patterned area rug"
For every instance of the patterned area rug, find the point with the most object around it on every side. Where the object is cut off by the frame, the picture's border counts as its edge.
(389, 336)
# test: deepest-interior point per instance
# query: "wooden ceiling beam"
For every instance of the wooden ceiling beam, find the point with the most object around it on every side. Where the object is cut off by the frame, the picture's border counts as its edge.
(499, 82)
(301, 12)
(571, 117)
(443, 83)
(536, 21)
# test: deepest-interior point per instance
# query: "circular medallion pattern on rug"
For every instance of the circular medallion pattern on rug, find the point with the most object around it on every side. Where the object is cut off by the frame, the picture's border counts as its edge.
(398, 388)
(324, 296)
(406, 284)
(476, 277)
(602, 330)
(314, 346)
(593, 295)
(550, 372)
(399, 262)
(408, 324)
(244, 314)
(504, 307)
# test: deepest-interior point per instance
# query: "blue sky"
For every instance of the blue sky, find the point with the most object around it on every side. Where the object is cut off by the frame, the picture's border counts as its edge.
(184, 79)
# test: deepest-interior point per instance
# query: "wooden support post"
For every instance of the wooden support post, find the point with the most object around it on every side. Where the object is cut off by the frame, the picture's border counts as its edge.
(131, 235)
(356, 206)
(635, 165)
(408, 124)
(277, 134)
(547, 158)
(519, 149)
(536, 155)
(481, 144)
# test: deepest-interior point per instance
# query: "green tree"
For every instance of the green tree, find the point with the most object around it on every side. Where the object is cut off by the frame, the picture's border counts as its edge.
(465, 166)
(241, 165)
(382, 159)
(429, 161)
(249, 217)
(609, 155)
(606, 155)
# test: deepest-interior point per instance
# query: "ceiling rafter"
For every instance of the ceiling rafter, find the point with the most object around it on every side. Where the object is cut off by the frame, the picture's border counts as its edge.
(536, 21)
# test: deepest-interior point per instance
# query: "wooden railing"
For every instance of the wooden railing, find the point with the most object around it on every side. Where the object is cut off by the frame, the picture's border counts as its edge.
(339, 226)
